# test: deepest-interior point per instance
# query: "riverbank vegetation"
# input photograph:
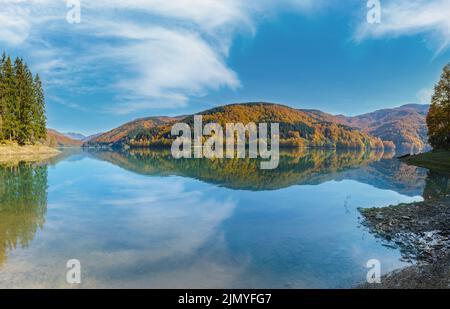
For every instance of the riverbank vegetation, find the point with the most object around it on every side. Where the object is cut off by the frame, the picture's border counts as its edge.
(438, 122)
(438, 119)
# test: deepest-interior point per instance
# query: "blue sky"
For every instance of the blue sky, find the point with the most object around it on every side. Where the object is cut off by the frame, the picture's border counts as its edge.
(135, 58)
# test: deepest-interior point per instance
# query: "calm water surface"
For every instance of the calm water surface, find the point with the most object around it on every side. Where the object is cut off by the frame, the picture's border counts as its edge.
(144, 219)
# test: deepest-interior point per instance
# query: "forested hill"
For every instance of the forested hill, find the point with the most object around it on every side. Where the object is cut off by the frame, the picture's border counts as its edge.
(297, 128)
(57, 139)
(405, 126)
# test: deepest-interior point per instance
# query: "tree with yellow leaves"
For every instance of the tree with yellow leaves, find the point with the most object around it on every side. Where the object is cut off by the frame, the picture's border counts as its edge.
(438, 119)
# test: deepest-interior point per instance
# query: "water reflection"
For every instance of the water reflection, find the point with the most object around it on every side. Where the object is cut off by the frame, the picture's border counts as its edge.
(437, 186)
(222, 224)
(302, 167)
(296, 167)
(420, 230)
(23, 205)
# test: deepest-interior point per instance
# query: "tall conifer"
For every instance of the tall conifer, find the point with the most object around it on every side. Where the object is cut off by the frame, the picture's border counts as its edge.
(40, 120)
(9, 125)
(2, 95)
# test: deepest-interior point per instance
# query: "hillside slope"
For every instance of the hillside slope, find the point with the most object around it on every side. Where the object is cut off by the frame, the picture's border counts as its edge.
(297, 128)
(405, 126)
(133, 131)
(56, 139)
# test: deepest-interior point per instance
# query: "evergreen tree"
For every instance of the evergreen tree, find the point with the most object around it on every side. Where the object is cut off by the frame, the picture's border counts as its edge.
(10, 111)
(438, 118)
(40, 120)
(2, 95)
(22, 103)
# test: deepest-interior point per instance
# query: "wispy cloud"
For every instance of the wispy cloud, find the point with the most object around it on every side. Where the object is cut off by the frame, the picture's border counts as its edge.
(154, 53)
(177, 64)
(63, 102)
(160, 53)
(410, 17)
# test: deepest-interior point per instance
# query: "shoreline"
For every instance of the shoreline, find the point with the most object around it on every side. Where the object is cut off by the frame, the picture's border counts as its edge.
(433, 160)
(13, 153)
(420, 230)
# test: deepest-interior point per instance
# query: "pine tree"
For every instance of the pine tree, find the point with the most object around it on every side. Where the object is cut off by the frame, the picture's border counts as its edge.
(2, 95)
(438, 118)
(9, 117)
(28, 107)
(23, 104)
(40, 120)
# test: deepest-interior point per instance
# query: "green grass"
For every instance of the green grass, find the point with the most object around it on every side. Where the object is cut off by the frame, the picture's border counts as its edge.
(433, 160)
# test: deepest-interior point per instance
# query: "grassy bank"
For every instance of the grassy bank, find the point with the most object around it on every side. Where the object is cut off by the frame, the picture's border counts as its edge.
(15, 153)
(433, 160)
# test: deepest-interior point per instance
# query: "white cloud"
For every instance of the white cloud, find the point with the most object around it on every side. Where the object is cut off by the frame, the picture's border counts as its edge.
(178, 64)
(170, 49)
(409, 17)
(155, 53)
(14, 23)
(208, 14)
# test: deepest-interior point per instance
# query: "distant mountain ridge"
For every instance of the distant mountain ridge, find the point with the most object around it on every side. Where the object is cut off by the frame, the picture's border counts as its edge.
(81, 137)
(75, 136)
(403, 128)
(57, 139)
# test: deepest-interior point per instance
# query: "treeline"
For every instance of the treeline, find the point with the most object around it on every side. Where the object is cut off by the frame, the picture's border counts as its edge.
(22, 103)
(438, 119)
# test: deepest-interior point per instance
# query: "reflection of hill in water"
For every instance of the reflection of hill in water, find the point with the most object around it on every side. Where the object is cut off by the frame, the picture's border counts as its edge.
(296, 168)
(23, 205)
(391, 175)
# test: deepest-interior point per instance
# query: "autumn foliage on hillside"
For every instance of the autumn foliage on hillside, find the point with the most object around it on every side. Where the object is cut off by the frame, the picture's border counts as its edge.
(403, 128)
(56, 139)
(297, 128)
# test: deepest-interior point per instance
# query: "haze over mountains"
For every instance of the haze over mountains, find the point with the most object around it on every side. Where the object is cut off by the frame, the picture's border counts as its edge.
(403, 128)
(75, 136)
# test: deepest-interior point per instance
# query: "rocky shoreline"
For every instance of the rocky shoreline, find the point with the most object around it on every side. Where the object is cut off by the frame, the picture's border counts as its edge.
(421, 231)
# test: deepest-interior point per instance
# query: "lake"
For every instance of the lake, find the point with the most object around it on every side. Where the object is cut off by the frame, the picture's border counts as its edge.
(140, 218)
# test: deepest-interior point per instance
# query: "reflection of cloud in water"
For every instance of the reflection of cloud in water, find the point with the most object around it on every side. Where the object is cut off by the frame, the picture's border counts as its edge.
(132, 231)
